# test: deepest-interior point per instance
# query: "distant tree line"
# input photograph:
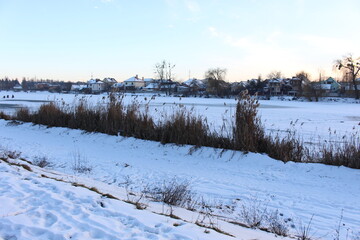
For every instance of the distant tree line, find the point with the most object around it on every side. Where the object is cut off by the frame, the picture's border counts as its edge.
(35, 85)
(7, 84)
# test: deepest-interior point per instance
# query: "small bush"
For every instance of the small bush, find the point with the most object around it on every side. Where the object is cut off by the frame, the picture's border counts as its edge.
(80, 164)
(172, 193)
(305, 231)
(253, 213)
(12, 154)
(277, 224)
(344, 152)
(248, 132)
(23, 114)
(41, 162)
(4, 116)
(289, 148)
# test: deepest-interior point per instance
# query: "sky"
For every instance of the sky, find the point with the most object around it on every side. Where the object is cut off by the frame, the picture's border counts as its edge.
(73, 40)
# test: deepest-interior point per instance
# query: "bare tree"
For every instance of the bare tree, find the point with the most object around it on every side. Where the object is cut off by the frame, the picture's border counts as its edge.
(275, 75)
(351, 66)
(160, 69)
(304, 76)
(164, 72)
(216, 81)
(304, 80)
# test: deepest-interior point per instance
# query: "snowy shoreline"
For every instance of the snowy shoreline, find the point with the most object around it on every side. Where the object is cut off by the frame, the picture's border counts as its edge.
(297, 190)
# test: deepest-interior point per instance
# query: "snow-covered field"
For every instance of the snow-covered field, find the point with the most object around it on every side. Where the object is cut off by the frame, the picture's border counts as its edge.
(38, 207)
(299, 191)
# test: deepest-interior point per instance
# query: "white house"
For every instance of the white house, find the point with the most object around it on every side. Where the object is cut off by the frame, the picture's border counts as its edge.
(151, 87)
(96, 85)
(134, 82)
(148, 81)
(17, 87)
(195, 84)
(118, 86)
(77, 87)
(109, 81)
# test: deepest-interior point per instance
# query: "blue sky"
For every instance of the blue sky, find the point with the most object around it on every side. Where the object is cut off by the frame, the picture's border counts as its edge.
(73, 39)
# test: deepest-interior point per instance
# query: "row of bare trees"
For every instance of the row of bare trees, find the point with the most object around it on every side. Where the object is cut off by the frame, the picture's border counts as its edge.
(217, 85)
(351, 68)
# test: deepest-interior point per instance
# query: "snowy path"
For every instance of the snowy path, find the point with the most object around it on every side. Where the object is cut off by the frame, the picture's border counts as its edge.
(40, 208)
(298, 191)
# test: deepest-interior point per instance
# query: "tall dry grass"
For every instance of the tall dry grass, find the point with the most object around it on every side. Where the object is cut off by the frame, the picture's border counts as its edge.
(184, 127)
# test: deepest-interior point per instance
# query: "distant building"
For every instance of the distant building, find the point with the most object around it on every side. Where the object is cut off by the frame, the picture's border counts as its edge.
(78, 87)
(274, 86)
(195, 85)
(330, 87)
(134, 83)
(152, 87)
(96, 85)
(17, 88)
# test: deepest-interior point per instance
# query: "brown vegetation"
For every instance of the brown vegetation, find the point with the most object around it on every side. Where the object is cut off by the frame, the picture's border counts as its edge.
(183, 127)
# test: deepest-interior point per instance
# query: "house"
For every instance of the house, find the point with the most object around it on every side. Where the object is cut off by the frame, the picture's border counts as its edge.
(183, 89)
(148, 81)
(273, 86)
(78, 87)
(195, 85)
(118, 87)
(349, 87)
(17, 88)
(96, 85)
(152, 87)
(134, 83)
(296, 86)
(109, 82)
(168, 86)
(330, 84)
(42, 86)
(330, 87)
(237, 87)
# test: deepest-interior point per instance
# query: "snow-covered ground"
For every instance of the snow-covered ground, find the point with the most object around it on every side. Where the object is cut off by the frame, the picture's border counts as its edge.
(299, 191)
(34, 207)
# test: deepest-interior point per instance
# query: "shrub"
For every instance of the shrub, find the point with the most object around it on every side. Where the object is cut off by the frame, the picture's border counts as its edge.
(182, 127)
(253, 213)
(4, 116)
(80, 164)
(248, 132)
(305, 231)
(345, 152)
(286, 149)
(41, 162)
(23, 114)
(277, 224)
(11, 154)
(172, 193)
